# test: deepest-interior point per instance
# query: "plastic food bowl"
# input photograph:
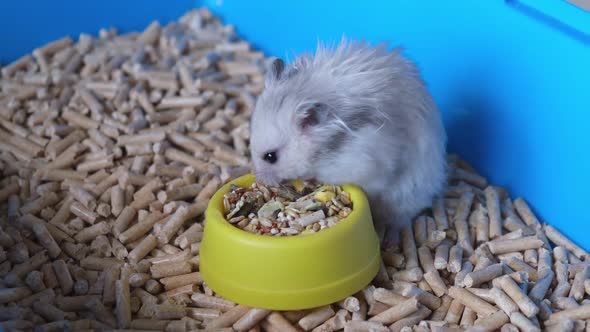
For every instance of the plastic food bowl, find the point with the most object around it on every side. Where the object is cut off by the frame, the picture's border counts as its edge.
(289, 273)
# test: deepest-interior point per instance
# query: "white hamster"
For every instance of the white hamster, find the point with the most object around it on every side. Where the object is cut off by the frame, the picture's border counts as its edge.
(353, 114)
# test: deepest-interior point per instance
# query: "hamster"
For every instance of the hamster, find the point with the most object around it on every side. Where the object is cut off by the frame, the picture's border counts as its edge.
(357, 114)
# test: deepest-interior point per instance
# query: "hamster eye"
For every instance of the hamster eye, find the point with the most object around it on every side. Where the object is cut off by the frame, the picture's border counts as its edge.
(270, 157)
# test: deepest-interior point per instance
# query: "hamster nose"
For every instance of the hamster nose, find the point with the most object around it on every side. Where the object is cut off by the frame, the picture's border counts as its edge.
(266, 178)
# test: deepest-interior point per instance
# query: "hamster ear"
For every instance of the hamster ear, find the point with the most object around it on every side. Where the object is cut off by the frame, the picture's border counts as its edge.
(275, 70)
(312, 116)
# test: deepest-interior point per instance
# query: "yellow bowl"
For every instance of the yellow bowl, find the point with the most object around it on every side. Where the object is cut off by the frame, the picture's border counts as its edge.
(289, 273)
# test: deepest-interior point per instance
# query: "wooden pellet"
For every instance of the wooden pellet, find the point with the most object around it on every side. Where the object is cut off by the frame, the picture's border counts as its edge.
(61, 175)
(49, 277)
(138, 279)
(13, 294)
(441, 256)
(186, 289)
(211, 302)
(280, 323)
(25, 145)
(123, 220)
(99, 264)
(567, 325)
(74, 303)
(83, 213)
(123, 303)
(523, 322)
(509, 328)
(470, 177)
(63, 276)
(181, 280)
(192, 235)
(460, 221)
(149, 324)
(559, 239)
(16, 65)
(177, 155)
(526, 305)
(144, 247)
(470, 300)
(412, 275)
(250, 319)
(46, 240)
(582, 312)
(513, 245)
(208, 190)
(490, 323)
(455, 259)
(409, 248)
(531, 257)
(493, 206)
(435, 282)
(411, 320)
(387, 297)
(316, 317)
(397, 312)
(180, 193)
(187, 143)
(228, 318)
(143, 201)
(482, 293)
(11, 189)
(47, 295)
(138, 230)
(364, 326)
(409, 290)
(170, 269)
(517, 264)
(177, 256)
(440, 215)
(50, 312)
(30, 221)
(394, 259)
(350, 304)
(525, 212)
(486, 274)
(39, 204)
(173, 224)
(100, 312)
(89, 233)
(426, 259)
(577, 290)
(149, 187)
(468, 318)
(169, 311)
(539, 291)
(110, 275)
(503, 301)
(544, 262)
(203, 314)
(56, 148)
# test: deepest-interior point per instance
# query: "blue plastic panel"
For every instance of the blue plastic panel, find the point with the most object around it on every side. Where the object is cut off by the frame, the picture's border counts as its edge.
(511, 78)
(25, 25)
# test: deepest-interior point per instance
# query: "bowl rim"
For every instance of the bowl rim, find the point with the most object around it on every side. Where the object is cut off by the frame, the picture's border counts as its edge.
(214, 213)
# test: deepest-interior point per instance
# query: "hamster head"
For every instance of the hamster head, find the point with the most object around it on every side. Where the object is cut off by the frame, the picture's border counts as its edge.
(309, 109)
(284, 127)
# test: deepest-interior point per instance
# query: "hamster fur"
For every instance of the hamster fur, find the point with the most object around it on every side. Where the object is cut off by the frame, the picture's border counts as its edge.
(353, 114)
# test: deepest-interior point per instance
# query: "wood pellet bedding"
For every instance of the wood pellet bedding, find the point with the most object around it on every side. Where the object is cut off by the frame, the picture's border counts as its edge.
(298, 208)
(110, 149)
